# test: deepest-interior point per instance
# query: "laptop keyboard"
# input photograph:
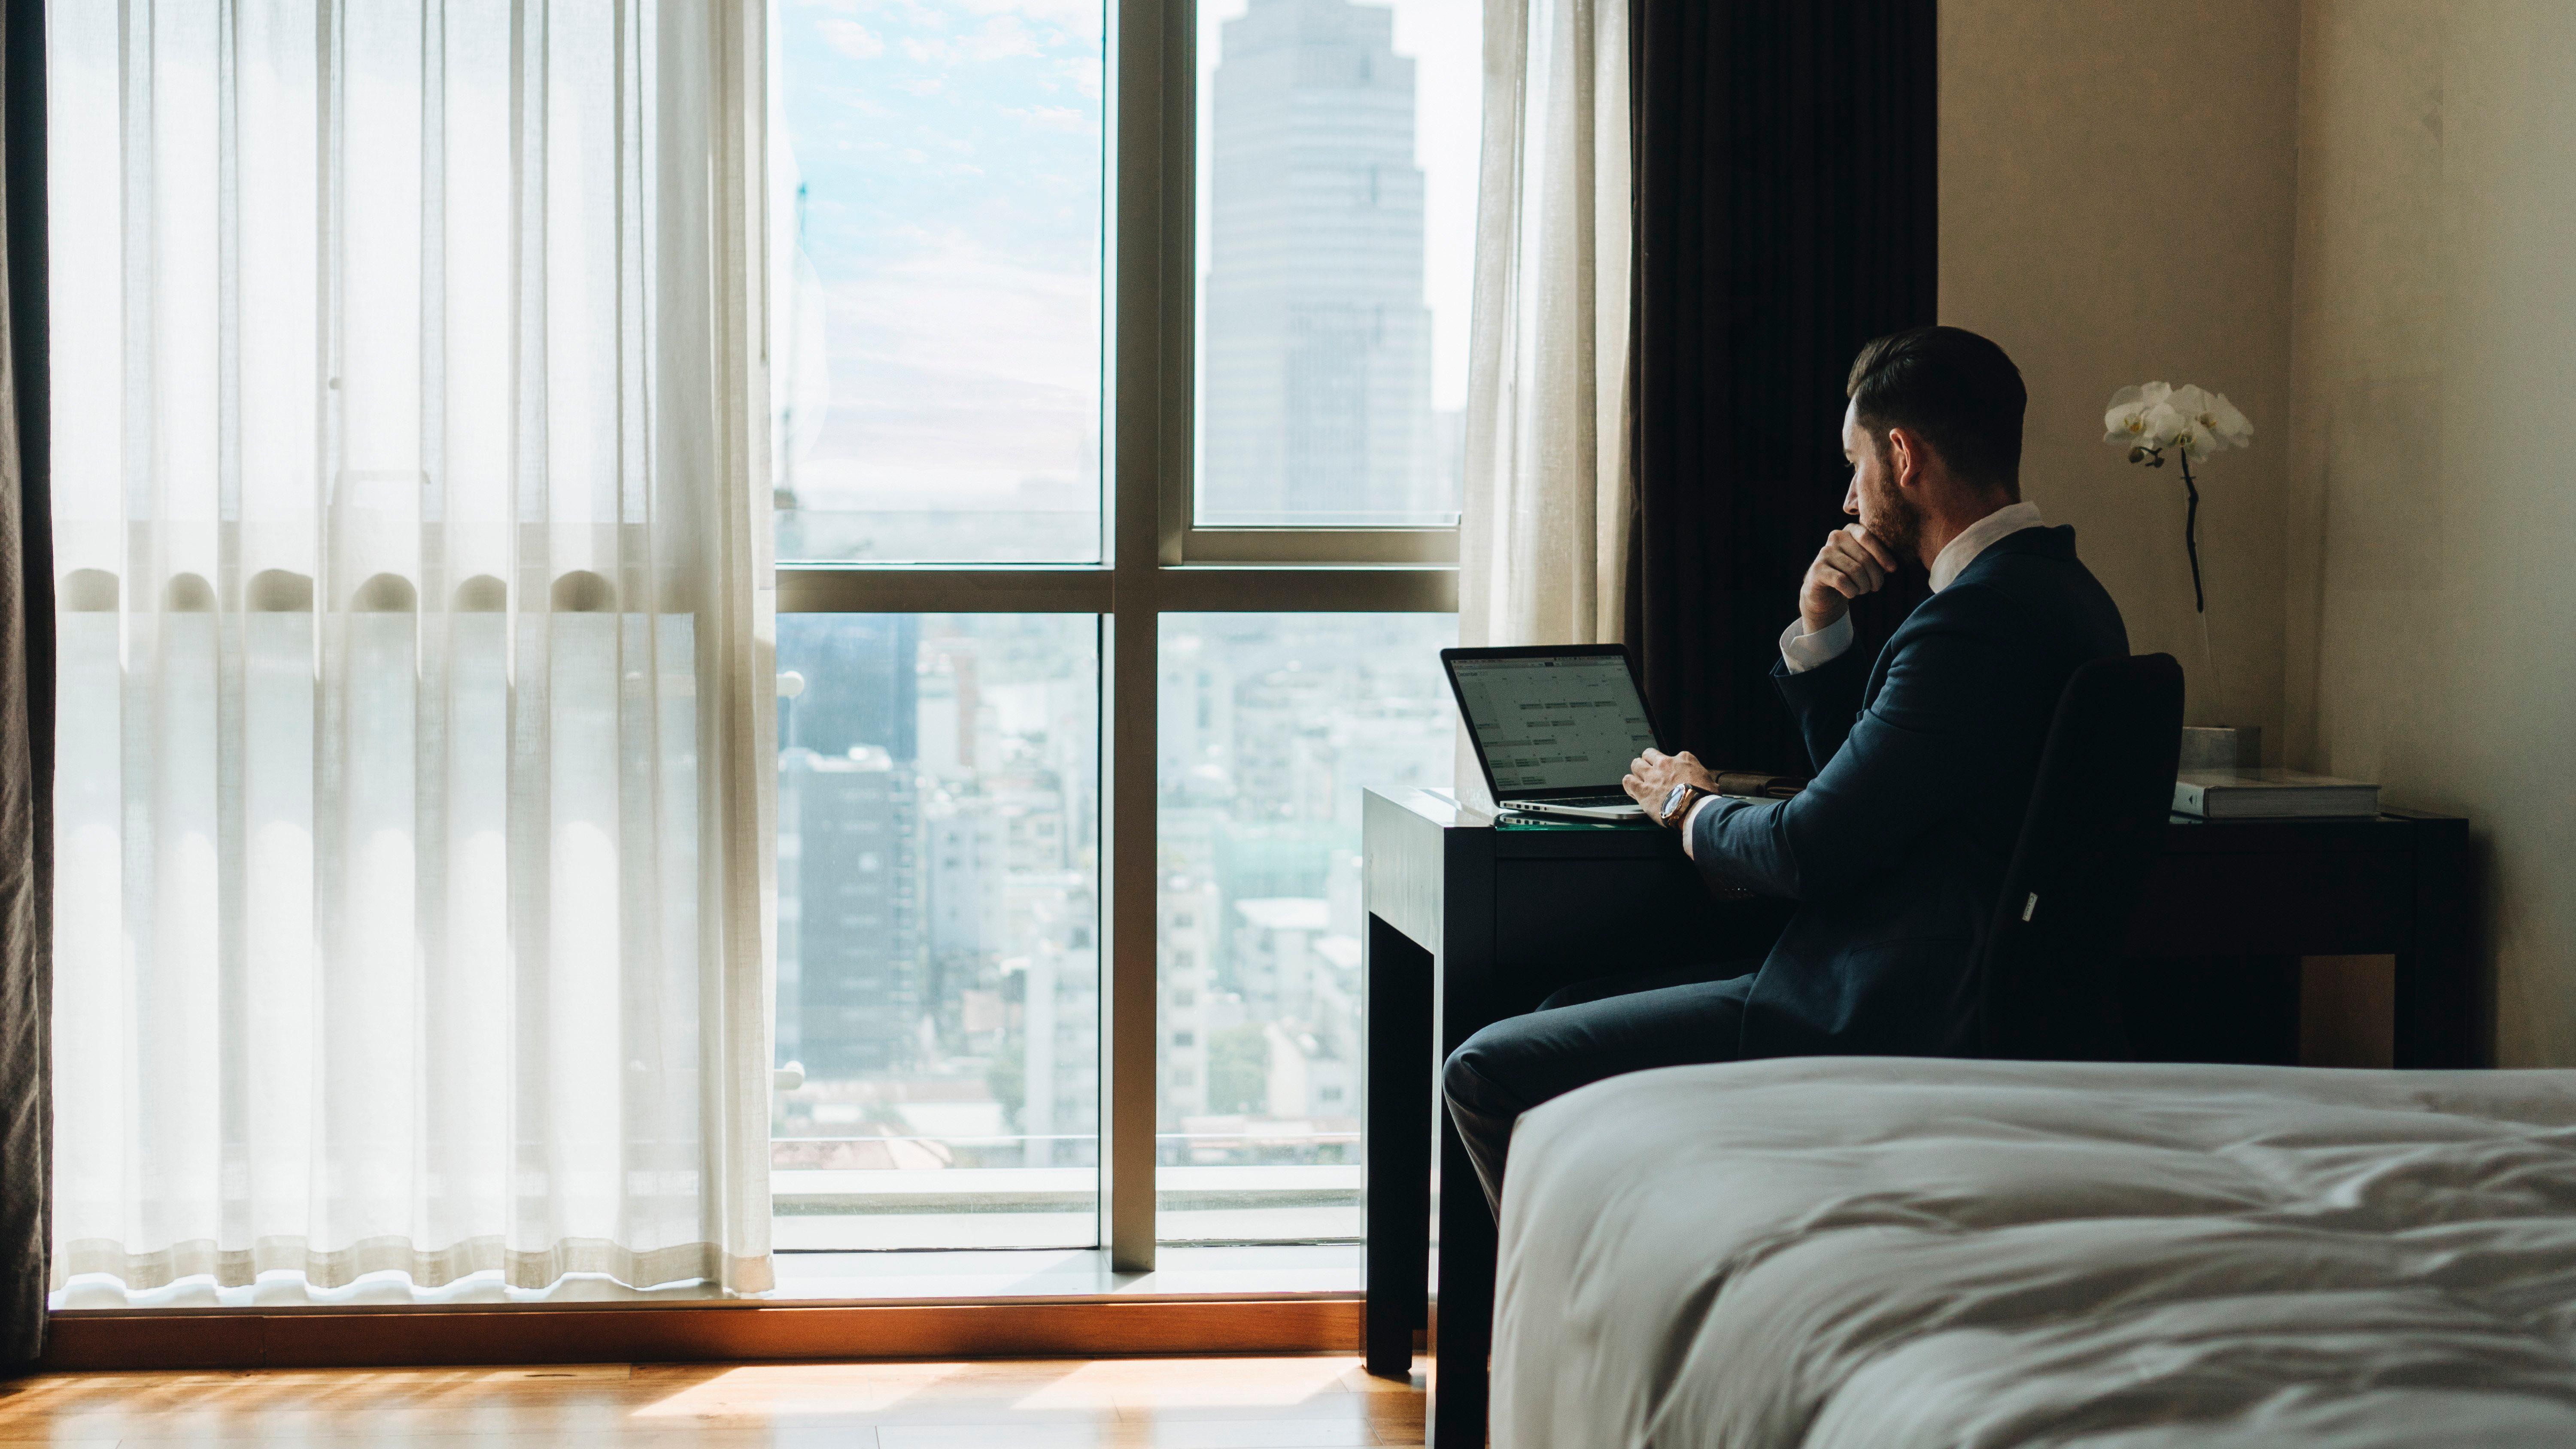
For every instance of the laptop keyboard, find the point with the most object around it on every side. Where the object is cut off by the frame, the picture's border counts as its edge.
(1591, 800)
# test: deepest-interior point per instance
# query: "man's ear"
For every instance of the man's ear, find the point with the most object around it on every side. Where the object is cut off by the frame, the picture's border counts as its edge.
(1904, 457)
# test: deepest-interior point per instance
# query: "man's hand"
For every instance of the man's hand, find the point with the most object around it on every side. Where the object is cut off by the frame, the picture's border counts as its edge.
(1852, 563)
(1652, 776)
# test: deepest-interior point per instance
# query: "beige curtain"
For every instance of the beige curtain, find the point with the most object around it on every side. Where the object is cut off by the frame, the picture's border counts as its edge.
(416, 704)
(1543, 531)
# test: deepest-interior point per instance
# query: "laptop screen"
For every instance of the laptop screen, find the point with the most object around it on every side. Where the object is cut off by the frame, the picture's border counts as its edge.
(1564, 723)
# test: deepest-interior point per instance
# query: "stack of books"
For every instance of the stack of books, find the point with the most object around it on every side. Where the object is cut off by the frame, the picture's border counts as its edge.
(2271, 795)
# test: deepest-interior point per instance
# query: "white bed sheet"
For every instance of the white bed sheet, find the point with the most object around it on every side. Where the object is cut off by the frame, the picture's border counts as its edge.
(1874, 1253)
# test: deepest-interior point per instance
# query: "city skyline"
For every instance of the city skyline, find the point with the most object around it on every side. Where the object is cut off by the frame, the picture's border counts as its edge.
(939, 977)
(1315, 380)
(937, 283)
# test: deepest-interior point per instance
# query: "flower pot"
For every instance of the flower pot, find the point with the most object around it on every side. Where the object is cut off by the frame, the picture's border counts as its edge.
(2222, 747)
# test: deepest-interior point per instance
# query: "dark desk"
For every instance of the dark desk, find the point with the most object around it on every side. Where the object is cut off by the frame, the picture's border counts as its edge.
(1468, 924)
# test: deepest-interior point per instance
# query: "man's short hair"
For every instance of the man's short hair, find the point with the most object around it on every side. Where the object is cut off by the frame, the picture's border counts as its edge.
(1955, 388)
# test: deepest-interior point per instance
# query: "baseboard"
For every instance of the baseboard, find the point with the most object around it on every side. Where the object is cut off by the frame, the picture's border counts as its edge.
(216, 1338)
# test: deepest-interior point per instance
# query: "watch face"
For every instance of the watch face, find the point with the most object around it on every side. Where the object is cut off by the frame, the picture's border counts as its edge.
(1673, 800)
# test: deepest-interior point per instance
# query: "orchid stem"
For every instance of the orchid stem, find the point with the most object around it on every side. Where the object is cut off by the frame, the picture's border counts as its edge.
(2199, 603)
(2190, 534)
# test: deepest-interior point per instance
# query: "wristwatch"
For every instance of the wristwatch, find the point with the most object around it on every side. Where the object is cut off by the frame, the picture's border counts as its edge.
(1677, 804)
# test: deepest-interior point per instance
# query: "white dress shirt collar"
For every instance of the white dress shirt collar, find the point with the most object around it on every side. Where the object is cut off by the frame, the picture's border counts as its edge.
(1977, 537)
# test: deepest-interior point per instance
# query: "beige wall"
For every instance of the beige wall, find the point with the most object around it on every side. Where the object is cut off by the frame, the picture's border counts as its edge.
(2117, 187)
(2358, 218)
(2430, 589)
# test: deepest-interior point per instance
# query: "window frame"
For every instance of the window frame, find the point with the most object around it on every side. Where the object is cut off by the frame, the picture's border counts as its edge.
(1158, 559)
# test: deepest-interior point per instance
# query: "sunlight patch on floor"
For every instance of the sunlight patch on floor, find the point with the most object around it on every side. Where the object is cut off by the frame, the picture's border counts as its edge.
(822, 1387)
(1218, 1383)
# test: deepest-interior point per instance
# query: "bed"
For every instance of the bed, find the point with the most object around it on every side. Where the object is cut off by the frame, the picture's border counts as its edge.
(1857, 1253)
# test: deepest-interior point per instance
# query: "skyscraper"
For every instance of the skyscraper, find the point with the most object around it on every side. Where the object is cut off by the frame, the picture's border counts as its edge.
(861, 685)
(854, 884)
(1318, 346)
(852, 969)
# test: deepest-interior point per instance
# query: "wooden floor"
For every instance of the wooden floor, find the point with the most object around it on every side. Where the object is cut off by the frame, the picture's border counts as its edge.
(1195, 1403)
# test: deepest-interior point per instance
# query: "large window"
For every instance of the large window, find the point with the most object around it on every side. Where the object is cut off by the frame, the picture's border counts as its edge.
(1036, 454)
(1201, 481)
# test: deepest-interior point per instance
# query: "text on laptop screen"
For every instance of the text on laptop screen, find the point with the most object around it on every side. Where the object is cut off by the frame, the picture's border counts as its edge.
(1555, 724)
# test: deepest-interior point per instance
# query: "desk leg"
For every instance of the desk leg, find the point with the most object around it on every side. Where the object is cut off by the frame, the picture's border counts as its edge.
(1397, 1255)
(2437, 988)
(1462, 1303)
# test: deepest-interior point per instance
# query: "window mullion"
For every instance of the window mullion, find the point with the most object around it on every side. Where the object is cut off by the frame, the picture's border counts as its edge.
(965, 589)
(1151, 210)
(1321, 545)
(1319, 588)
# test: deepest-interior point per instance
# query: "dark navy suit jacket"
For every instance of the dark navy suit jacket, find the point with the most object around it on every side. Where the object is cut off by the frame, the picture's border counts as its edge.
(1924, 763)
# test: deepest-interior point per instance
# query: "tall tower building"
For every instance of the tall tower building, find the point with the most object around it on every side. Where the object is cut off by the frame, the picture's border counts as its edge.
(862, 685)
(852, 890)
(853, 969)
(1318, 350)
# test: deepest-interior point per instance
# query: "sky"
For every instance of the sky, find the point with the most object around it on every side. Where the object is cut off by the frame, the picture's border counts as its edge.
(950, 153)
(950, 157)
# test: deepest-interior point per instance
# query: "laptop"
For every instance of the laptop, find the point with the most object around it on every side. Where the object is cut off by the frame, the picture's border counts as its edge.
(1555, 726)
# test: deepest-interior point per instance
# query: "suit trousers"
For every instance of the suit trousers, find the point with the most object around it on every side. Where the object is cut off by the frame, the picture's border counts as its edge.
(1581, 1035)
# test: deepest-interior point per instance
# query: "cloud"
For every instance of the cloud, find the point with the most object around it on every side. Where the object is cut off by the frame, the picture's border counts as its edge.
(956, 230)
(851, 38)
(954, 360)
(1000, 37)
(1074, 17)
(1053, 12)
(1055, 118)
(957, 306)
(1003, 35)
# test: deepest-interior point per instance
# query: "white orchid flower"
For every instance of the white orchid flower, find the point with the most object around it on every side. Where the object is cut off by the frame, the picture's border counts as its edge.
(2206, 423)
(2131, 421)
(2174, 428)
(2149, 419)
(2212, 415)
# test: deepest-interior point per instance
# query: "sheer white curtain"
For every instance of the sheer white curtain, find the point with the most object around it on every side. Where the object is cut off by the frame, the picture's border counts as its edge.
(416, 756)
(1543, 530)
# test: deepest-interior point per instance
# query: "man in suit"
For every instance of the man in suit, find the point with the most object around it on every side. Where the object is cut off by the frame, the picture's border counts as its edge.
(1924, 761)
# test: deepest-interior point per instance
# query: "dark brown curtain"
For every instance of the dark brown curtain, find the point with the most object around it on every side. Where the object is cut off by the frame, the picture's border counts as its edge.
(26, 708)
(1785, 215)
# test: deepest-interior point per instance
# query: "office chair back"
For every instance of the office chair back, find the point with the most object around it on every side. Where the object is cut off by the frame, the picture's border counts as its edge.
(2048, 984)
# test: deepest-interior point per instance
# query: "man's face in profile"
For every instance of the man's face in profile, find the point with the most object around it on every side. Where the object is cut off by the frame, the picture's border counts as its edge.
(1886, 513)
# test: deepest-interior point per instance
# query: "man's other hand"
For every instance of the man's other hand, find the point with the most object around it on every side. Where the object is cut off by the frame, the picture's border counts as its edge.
(1652, 776)
(1852, 563)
